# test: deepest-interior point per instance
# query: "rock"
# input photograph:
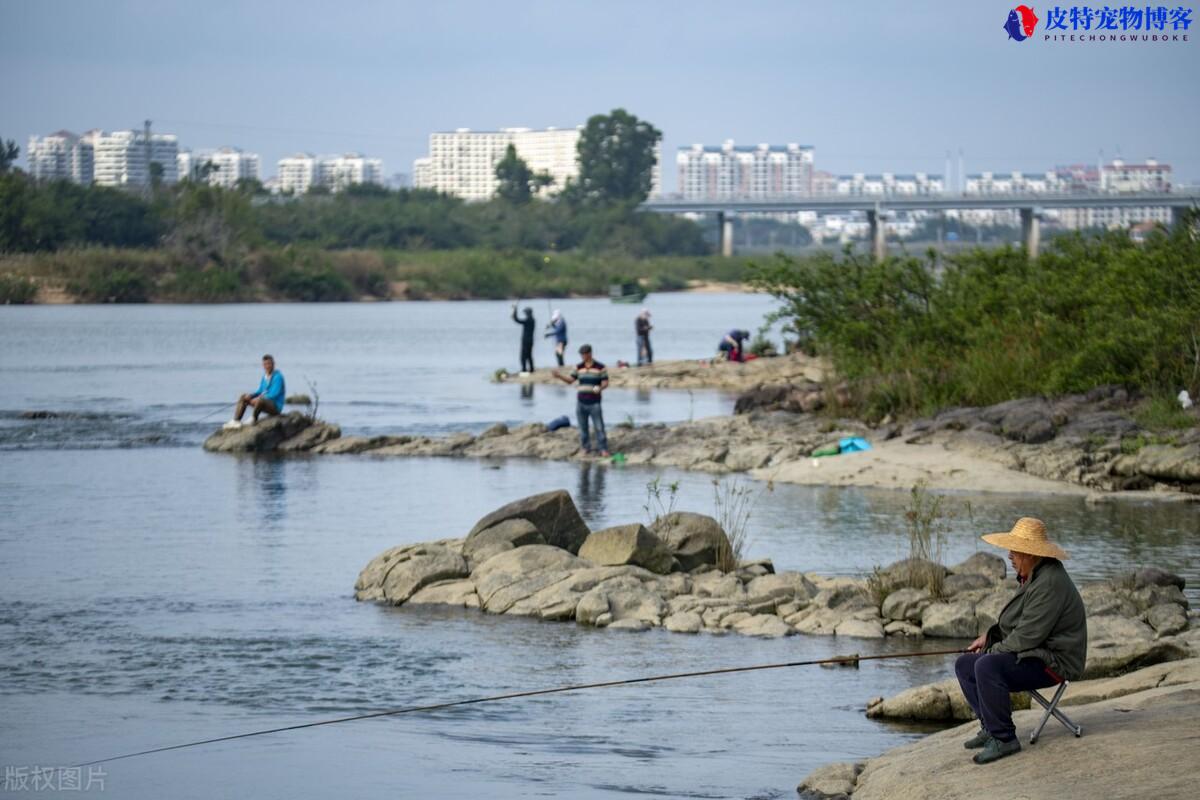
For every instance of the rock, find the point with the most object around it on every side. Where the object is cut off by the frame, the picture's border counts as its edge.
(309, 438)
(900, 628)
(552, 513)
(914, 572)
(261, 437)
(992, 566)
(627, 544)
(860, 629)
(830, 782)
(1171, 464)
(1107, 599)
(1153, 576)
(767, 625)
(717, 584)
(397, 574)
(684, 622)
(784, 586)
(450, 593)
(352, 445)
(935, 702)
(1174, 673)
(1117, 645)
(954, 620)
(591, 607)
(506, 535)
(988, 608)
(626, 598)
(499, 429)
(1149, 596)
(1131, 747)
(517, 574)
(953, 584)
(1167, 619)
(694, 539)
(905, 604)
(628, 624)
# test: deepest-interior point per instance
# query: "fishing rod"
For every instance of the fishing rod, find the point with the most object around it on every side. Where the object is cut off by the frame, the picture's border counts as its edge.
(529, 693)
(214, 413)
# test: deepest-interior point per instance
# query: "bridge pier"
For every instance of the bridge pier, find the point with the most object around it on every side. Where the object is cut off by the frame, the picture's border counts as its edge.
(878, 233)
(1030, 231)
(725, 233)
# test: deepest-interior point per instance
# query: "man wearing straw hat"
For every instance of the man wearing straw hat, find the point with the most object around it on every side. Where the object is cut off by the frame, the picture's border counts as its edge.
(1040, 638)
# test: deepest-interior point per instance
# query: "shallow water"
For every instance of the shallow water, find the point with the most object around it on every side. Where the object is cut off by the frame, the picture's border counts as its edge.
(151, 593)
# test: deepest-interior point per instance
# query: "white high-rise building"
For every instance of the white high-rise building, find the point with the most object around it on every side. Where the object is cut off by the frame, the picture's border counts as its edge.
(121, 158)
(339, 172)
(731, 172)
(228, 166)
(463, 162)
(885, 184)
(62, 156)
(297, 173)
(1124, 178)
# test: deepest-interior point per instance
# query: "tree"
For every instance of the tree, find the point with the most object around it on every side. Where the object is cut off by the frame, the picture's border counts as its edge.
(8, 155)
(515, 178)
(617, 153)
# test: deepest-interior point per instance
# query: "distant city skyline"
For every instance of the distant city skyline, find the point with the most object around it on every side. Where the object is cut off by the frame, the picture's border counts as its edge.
(897, 89)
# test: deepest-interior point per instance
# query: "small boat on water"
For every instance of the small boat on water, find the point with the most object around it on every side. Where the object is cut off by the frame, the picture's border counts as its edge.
(626, 293)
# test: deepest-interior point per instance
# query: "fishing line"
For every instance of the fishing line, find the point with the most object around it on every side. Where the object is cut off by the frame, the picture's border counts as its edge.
(214, 413)
(530, 693)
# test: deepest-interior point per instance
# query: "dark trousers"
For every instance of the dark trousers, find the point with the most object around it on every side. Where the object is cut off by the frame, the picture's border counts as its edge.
(591, 411)
(645, 354)
(559, 349)
(987, 680)
(261, 406)
(526, 356)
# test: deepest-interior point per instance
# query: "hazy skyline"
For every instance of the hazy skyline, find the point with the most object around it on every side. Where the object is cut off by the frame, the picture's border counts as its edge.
(872, 87)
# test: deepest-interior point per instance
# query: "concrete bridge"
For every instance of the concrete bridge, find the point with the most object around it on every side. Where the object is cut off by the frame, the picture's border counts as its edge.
(1030, 207)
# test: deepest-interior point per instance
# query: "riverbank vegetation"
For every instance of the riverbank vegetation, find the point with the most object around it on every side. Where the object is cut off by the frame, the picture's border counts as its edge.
(913, 335)
(192, 242)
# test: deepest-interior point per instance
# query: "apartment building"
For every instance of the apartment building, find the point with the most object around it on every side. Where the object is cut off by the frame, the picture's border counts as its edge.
(123, 158)
(339, 172)
(733, 172)
(223, 167)
(62, 156)
(297, 173)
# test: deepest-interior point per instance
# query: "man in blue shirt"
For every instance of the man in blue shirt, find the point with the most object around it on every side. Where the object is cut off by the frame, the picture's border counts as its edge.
(267, 399)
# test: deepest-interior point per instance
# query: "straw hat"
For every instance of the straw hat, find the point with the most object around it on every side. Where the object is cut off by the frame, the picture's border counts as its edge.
(1027, 536)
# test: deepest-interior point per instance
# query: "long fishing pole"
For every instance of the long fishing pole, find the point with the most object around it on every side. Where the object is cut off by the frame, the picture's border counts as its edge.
(530, 693)
(214, 413)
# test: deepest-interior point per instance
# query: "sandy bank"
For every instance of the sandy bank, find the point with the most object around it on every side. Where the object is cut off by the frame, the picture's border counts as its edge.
(703, 373)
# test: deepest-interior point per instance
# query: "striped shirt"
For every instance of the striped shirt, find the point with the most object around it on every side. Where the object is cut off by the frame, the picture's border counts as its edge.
(590, 378)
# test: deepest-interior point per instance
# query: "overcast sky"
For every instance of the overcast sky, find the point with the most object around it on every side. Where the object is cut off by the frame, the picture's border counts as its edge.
(872, 86)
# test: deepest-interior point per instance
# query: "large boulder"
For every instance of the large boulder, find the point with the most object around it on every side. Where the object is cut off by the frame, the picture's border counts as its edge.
(905, 604)
(514, 575)
(623, 598)
(1117, 645)
(694, 539)
(1167, 619)
(830, 781)
(766, 625)
(950, 620)
(993, 566)
(934, 702)
(552, 513)
(482, 545)
(447, 593)
(397, 574)
(783, 586)
(627, 544)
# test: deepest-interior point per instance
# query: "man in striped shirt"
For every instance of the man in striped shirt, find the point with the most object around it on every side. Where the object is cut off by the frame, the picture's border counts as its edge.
(593, 379)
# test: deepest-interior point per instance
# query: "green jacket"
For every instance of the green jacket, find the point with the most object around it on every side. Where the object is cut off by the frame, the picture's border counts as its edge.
(1046, 620)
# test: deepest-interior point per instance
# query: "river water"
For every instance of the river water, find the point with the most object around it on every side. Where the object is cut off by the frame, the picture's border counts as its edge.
(151, 593)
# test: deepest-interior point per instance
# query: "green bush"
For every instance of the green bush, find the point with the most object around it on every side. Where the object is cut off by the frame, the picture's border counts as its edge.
(214, 285)
(312, 285)
(112, 285)
(16, 290)
(986, 326)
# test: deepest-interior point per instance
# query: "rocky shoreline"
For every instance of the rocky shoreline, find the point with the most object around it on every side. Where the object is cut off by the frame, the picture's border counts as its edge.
(701, 373)
(1079, 444)
(536, 557)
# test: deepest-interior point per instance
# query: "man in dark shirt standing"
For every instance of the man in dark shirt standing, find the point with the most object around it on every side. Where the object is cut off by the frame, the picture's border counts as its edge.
(593, 379)
(526, 324)
(643, 327)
